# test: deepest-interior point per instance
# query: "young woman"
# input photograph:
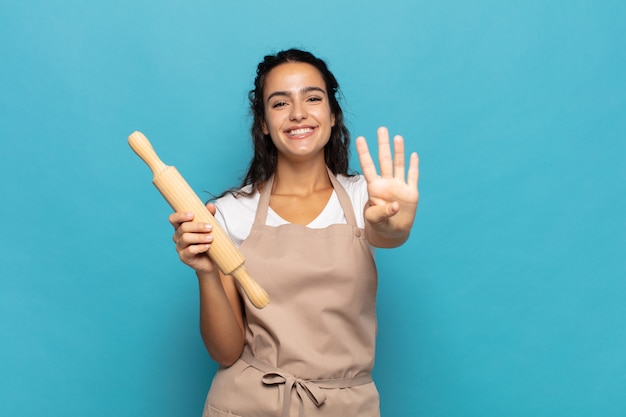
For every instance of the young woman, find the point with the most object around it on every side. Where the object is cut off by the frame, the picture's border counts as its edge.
(307, 229)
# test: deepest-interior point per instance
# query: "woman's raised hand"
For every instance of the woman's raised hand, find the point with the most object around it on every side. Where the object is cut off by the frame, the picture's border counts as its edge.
(393, 197)
(193, 240)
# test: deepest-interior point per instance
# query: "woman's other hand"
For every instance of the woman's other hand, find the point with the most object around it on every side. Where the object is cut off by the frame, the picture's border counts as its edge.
(393, 196)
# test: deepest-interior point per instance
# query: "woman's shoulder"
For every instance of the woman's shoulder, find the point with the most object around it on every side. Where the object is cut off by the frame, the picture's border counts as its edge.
(242, 197)
(350, 179)
(354, 185)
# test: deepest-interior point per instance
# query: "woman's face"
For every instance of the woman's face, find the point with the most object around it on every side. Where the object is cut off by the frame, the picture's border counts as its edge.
(297, 111)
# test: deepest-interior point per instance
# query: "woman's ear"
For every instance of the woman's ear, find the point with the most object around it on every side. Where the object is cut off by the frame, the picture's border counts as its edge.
(264, 128)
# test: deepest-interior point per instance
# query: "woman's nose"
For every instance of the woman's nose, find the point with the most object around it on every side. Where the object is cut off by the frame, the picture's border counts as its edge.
(298, 111)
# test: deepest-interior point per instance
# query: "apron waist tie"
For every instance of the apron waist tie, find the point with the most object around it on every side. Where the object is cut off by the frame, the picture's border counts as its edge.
(312, 389)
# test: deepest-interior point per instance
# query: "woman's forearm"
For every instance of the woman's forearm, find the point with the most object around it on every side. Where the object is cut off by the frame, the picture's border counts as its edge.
(221, 317)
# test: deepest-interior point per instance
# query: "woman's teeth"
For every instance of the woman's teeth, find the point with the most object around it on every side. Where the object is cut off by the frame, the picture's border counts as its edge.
(297, 132)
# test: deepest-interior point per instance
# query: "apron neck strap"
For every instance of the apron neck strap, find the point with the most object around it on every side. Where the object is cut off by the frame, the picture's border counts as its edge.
(344, 199)
(264, 203)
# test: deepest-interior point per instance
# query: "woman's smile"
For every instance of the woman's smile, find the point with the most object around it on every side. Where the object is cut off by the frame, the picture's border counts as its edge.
(300, 132)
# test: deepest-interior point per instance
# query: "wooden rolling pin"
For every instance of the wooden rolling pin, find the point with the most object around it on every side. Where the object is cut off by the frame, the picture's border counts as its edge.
(181, 197)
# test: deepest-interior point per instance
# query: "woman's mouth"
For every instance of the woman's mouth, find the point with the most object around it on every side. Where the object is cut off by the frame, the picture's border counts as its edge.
(300, 132)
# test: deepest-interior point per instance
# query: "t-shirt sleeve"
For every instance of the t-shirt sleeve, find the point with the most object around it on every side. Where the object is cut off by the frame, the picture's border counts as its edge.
(219, 216)
(236, 215)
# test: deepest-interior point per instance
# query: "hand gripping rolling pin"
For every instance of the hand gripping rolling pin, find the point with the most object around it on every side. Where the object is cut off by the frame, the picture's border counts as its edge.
(181, 197)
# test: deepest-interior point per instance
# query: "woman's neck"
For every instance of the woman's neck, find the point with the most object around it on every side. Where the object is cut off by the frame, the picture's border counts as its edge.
(300, 178)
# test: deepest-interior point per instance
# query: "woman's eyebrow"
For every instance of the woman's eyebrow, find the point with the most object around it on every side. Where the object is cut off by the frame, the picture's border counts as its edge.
(303, 91)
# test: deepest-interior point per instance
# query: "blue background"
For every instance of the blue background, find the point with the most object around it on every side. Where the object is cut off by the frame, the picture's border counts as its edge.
(509, 297)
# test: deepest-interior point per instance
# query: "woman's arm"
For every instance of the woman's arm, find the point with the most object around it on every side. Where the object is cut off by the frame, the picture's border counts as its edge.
(221, 310)
(390, 212)
(221, 317)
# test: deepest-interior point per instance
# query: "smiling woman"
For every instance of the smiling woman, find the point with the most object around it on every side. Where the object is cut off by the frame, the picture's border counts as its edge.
(307, 229)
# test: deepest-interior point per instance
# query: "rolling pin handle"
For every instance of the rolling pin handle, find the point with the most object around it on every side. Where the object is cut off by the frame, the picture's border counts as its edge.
(143, 148)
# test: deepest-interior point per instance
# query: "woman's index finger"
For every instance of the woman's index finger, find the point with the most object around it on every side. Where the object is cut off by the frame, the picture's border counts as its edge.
(367, 163)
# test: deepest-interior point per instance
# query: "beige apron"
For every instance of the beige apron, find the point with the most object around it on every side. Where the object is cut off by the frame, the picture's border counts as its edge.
(310, 352)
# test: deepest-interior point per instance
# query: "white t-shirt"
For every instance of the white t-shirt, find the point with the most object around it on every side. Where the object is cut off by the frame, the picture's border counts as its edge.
(236, 214)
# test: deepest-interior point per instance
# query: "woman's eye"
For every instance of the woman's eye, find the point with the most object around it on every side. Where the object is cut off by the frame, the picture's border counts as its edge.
(279, 104)
(315, 99)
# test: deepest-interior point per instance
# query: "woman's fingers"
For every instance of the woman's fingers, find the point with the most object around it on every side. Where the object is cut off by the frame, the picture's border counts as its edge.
(176, 219)
(379, 213)
(188, 233)
(367, 164)
(192, 233)
(384, 153)
(193, 239)
(191, 251)
(390, 167)
(398, 158)
(413, 175)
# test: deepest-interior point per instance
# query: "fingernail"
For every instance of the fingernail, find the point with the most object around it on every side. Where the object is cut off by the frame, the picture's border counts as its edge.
(208, 226)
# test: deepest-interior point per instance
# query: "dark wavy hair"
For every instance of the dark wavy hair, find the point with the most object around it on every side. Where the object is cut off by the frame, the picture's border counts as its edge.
(263, 163)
